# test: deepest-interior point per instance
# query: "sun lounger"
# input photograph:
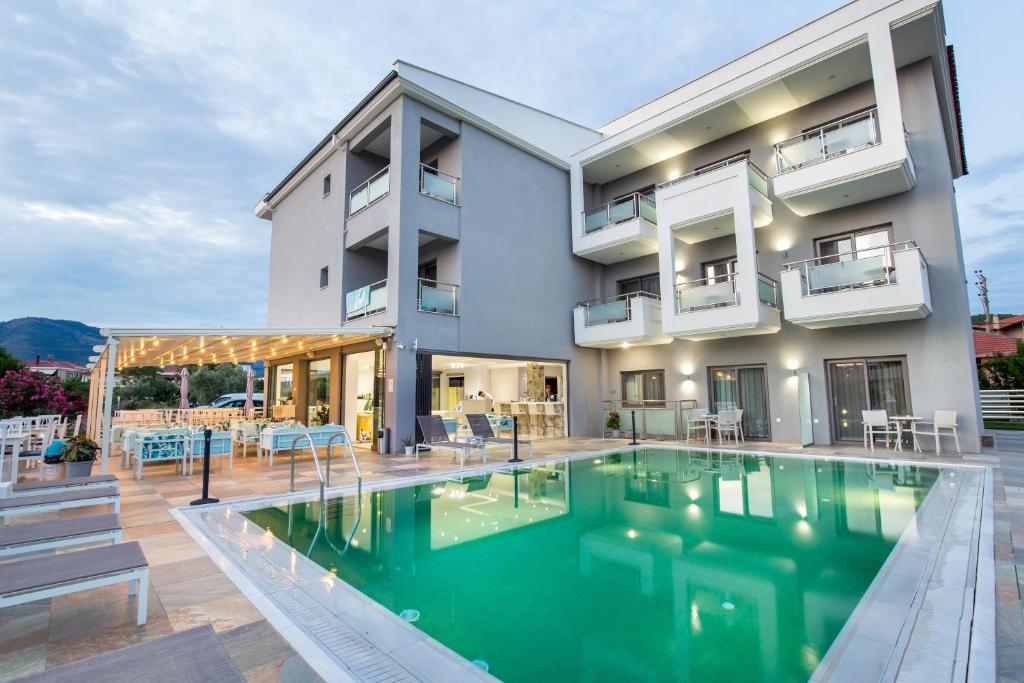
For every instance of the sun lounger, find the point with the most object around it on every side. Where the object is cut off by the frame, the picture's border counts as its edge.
(37, 578)
(192, 656)
(481, 428)
(435, 435)
(33, 488)
(50, 502)
(29, 538)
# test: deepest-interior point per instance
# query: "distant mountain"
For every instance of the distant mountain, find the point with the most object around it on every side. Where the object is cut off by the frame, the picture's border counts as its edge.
(67, 340)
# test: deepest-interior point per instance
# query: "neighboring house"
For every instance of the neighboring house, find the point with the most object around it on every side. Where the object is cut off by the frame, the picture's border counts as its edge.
(60, 369)
(988, 344)
(1010, 326)
(779, 235)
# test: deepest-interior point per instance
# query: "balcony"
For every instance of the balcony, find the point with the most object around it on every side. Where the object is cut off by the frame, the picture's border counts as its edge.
(368, 210)
(620, 230)
(714, 308)
(842, 163)
(437, 297)
(439, 185)
(372, 190)
(365, 301)
(881, 284)
(620, 322)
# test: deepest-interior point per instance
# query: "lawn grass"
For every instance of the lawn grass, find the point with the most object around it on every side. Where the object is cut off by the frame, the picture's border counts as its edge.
(1015, 426)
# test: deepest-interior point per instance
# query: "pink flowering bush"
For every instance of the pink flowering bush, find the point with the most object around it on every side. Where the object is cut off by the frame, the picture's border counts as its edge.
(26, 393)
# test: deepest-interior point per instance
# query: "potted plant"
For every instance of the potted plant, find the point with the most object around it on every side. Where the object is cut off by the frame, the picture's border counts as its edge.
(409, 445)
(78, 455)
(614, 423)
(321, 415)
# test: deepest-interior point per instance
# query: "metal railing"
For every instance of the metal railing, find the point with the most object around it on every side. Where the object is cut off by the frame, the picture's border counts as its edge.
(757, 178)
(846, 135)
(1002, 405)
(708, 292)
(437, 297)
(618, 211)
(856, 269)
(654, 419)
(767, 290)
(373, 298)
(324, 475)
(612, 309)
(439, 185)
(373, 189)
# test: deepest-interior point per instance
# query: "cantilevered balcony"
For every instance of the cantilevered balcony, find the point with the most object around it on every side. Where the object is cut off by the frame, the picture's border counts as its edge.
(367, 300)
(620, 230)
(841, 163)
(621, 321)
(878, 285)
(716, 307)
(367, 208)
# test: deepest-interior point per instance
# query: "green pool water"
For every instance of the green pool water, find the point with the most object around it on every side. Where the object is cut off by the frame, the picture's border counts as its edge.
(658, 565)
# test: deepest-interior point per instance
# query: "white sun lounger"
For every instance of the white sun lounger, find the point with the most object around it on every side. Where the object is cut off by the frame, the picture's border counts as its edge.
(61, 533)
(192, 656)
(37, 578)
(50, 502)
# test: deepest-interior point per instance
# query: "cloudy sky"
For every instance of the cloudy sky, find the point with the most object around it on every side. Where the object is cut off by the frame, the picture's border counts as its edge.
(135, 137)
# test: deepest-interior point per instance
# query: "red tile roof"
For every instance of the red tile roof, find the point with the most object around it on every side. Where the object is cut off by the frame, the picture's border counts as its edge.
(987, 344)
(53, 364)
(1011, 321)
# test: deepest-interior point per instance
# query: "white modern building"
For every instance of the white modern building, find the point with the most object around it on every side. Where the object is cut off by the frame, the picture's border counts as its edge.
(779, 235)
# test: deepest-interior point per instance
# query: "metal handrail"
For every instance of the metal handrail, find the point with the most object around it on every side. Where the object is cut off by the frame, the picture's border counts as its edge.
(436, 284)
(906, 246)
(366, 184)
(693, 284)
(586, 305)
(714, 167)
(870, 114)
(367, 310)
(316, 460)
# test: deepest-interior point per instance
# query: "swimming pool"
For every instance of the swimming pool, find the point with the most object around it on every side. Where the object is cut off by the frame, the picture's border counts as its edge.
(648, 564)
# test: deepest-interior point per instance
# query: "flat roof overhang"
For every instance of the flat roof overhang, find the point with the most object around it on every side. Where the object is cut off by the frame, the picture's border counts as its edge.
(143, 347)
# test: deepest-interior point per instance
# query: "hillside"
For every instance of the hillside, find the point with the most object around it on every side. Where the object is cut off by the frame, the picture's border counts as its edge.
(67, 340)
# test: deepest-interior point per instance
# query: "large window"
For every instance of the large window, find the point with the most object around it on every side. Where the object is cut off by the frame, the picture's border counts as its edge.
(719, 270)
(645, 283)
(857, 244)
(858, 384)
(643, 388)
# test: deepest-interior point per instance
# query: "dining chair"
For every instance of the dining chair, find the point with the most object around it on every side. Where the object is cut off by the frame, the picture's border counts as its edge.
(877, 422)
(696, 422)
(729, 422)
(941, 420)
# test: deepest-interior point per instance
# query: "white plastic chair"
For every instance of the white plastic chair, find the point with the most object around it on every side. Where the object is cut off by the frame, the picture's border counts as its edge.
(877, 422)
(730, 421)
(942, 420)
(696, 422)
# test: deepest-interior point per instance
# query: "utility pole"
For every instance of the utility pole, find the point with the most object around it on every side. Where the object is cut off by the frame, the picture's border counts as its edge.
(982, 285)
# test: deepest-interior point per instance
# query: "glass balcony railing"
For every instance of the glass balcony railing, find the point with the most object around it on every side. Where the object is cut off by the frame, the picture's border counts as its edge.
(714, 292)
(613, 309)
(849, 134)
(371, 190)
(364, 301)
(871, 267)
(757, 178)
(438, 184)
(618, 211)
(437, 297)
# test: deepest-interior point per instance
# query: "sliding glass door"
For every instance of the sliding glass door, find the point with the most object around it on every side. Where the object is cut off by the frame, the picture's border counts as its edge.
(744, 388)
(858, 384)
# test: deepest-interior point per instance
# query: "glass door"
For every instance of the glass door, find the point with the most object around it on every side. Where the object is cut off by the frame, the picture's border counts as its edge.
(865, 384)
(744, 388)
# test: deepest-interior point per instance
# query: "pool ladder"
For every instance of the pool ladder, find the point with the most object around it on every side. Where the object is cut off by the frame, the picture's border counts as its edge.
(324, 475)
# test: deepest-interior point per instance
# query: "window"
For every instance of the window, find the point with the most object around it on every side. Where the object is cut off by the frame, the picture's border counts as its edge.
(643, 388)
(720, 270)
(323, 277)
(856, 244)
(428, 270)
(858, 384)
(327, 184)
(645, 283)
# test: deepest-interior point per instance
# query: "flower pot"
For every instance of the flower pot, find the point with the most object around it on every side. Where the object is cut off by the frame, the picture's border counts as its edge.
(53, 470)
(616, 434)
(409, 450)
(78, 469)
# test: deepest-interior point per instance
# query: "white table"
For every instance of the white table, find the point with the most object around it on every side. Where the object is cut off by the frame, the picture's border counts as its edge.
(910, 420)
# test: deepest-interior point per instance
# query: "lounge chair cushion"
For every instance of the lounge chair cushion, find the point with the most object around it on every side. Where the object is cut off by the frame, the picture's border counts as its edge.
(65, 483)
(42, 572)
(57, 498)
(20, 534)
(192, 656)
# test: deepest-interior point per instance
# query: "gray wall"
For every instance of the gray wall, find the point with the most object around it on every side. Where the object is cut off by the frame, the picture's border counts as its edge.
(938, 349)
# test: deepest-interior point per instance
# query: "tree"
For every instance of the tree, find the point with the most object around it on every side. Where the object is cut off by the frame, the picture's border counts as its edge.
(26, 393)
(145, 388)
(210, 381)
(1003, 372)
(8, 362)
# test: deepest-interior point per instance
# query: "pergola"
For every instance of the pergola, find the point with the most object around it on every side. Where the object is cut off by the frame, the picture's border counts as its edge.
(144, 347)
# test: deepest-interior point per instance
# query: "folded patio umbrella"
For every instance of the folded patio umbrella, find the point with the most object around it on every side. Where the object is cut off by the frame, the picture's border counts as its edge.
(250, 380)
(184, 389)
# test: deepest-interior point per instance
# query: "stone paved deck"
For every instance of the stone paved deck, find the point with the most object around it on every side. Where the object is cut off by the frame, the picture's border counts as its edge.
(186, 589)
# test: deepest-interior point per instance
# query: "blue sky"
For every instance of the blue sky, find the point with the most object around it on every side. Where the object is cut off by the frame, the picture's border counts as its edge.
(136, 136)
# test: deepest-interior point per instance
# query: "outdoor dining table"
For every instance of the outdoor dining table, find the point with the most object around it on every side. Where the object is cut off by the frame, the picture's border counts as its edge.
(900, 420)
(708, 418)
